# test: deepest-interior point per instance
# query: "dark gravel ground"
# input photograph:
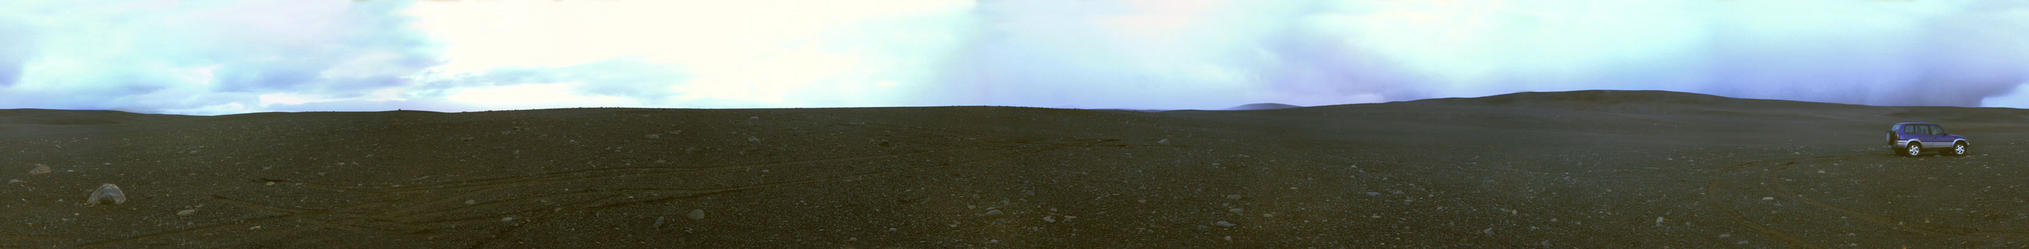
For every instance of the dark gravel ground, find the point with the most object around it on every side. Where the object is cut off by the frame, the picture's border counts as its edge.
(1591, 169)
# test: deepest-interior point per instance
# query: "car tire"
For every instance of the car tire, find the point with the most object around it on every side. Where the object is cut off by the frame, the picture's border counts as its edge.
(1959, 149)
(1912, 150)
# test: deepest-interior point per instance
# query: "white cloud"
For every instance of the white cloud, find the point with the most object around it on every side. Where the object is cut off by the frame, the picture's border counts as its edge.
(535, 96)
(209, 56)
(757, 53)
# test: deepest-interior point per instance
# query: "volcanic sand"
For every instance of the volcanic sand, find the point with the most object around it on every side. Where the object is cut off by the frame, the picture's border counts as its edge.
(1587, 169)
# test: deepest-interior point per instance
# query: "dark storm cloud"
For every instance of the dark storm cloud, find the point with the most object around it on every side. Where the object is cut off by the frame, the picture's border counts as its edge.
(1176, 55)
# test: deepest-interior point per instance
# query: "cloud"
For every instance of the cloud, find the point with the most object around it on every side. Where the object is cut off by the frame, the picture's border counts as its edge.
(769, 53)
(212, 57)
(1170, 54)
(201, 56)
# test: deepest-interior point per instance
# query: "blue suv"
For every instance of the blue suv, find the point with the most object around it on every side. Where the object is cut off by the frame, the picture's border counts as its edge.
(1912, 138)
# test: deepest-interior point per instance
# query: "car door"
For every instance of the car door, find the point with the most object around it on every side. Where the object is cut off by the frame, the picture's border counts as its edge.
(1933, 137)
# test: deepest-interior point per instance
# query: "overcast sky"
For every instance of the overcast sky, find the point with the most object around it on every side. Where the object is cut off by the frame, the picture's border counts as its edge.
(223, 57)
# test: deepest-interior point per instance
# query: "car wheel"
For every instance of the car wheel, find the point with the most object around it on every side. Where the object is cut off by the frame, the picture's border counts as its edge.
(1912, 150)
(1959, 149)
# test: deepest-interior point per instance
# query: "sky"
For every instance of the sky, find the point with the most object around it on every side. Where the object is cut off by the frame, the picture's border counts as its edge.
(241, 56)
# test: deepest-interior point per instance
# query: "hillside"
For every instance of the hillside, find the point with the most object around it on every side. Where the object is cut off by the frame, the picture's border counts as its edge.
(1586, 169)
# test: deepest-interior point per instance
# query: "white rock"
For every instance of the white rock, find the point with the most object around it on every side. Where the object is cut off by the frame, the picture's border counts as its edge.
(1771, 198)
(993, 212)
(1164, 141)
(697, 214)
(1049, 219)
(107, 193)
(186, 212)
(39, 169)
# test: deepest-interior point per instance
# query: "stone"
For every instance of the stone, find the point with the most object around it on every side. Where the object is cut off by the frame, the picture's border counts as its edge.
(39, 169)
(697, 214)
(107, 193)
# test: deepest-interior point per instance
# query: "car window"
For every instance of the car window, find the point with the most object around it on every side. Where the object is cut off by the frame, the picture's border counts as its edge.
(1921, 129)
(1937, 130)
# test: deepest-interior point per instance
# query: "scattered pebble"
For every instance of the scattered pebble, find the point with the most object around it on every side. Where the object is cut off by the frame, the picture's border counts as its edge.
(1373, 193)
(993, 212)
(470, 202)
(1770, 198)
(1164, 141)
(697, 214)
(39, 169)
(1049, 219)
(14, 181)
(186, 212)
(1233, 196)
(507, 219)
(1223, 224)
(1236, 210)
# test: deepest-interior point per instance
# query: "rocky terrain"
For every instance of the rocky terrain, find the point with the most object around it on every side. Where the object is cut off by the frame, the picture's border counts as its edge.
(1586, 169)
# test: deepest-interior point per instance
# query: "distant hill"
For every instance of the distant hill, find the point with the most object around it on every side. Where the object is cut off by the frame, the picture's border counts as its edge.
(959, 175)
(1261, 106)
